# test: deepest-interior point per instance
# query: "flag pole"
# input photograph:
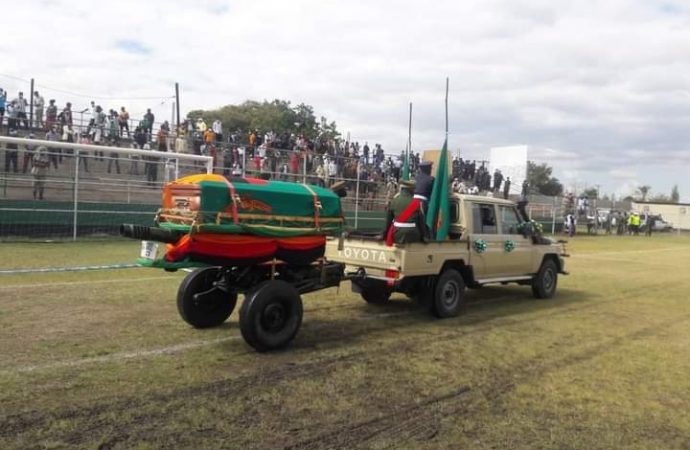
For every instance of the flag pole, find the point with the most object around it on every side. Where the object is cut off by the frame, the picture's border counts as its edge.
(409, 137)
(447, 81)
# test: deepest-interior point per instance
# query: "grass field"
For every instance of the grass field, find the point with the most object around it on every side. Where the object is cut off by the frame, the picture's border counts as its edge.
(101, 359)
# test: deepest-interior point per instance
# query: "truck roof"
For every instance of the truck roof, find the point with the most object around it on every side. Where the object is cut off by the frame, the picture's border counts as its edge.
(483, 199)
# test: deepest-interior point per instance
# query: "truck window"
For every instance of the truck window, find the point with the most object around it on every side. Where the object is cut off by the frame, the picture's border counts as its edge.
(483, 218)
(509, 220)
(454, 212)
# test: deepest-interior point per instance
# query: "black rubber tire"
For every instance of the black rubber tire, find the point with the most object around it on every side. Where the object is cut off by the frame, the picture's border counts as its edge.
(209, 310)
(449, 298)
(545, 281)
(271, 315)
(376, 295)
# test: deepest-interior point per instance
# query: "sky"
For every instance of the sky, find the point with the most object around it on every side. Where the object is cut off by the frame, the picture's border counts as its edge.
(598, 90)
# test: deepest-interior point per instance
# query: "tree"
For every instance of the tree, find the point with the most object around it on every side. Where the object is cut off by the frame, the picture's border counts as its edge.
(675, 195)
(591, 193)
(643, 191)
(539, 177)
(278, 116)
(661, 198)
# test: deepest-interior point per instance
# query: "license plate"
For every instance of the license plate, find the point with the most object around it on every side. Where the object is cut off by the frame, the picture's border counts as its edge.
(149, 250)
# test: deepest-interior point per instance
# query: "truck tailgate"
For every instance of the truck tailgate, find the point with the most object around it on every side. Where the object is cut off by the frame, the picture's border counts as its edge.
(368, 254)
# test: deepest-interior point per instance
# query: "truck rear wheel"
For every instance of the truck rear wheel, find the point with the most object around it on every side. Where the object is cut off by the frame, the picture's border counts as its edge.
(200, 303)
(271, 315)
(545, 281)
(376, 295)
(449, 294)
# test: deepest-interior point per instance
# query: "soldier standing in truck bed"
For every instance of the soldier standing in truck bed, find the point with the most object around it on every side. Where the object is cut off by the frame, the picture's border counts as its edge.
(406, 226)
(424, 184)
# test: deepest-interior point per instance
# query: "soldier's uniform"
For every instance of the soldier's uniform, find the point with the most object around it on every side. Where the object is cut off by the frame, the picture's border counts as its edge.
(424, 184)
(410, 229)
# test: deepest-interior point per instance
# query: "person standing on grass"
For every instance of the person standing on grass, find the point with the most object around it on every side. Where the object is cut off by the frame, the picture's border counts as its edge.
(651, 220)
(40, 164)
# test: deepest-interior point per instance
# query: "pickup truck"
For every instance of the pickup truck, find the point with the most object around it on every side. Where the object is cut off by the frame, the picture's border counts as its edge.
(490, 241)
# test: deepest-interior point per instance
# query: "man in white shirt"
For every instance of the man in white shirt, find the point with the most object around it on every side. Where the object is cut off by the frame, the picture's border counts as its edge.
(20, 104)
(39, 104)
(218, 130)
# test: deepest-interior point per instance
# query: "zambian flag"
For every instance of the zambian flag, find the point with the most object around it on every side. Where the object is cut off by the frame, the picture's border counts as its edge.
(438, 215)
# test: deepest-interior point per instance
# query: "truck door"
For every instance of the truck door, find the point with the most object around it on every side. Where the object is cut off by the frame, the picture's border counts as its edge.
(485, 259)
(517, 248)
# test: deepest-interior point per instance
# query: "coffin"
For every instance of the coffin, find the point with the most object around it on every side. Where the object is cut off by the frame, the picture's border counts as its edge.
(216, 204)
(242, 221)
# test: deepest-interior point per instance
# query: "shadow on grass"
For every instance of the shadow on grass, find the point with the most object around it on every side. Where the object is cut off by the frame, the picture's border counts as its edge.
(503, 304)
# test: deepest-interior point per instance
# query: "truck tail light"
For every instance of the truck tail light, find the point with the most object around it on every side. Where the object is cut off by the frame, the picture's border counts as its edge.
(392, 275)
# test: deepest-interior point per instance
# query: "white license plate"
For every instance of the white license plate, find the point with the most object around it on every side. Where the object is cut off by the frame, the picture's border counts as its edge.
(149, 250)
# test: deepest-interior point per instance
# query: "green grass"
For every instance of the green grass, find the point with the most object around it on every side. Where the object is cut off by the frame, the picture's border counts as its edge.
(102, 359)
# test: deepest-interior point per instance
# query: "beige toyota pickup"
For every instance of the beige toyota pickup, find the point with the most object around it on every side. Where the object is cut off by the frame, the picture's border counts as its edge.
(489, 242)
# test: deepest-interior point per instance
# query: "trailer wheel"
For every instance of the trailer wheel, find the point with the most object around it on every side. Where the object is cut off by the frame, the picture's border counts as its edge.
(200, 303)
(271, 315)
(448, 294)
(545, 281)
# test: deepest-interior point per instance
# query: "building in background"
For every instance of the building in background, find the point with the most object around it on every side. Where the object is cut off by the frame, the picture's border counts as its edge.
(677, 214)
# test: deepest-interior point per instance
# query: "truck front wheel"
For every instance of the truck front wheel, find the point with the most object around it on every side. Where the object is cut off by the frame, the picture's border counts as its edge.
(545, 281)
(449, 295)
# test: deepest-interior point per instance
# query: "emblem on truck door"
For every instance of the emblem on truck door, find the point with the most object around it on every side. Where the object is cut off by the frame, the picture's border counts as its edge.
(364, 254)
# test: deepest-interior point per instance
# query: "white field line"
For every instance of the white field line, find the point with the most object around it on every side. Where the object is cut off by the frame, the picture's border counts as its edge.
(628, 252)
(80, 283)
(122, 356)
(138, 354)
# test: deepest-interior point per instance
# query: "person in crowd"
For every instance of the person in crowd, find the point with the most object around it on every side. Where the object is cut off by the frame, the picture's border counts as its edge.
(149, 119)
(506, 188)
(218, 130)
(12, 115)
(84, 155)
(123, 121)
(11, 153)
(65, 116)
(39, 105)
(39, 168)
(113, 123)
(3, 105)
(51, 115)
(53, 152)
(498, 180)
(150, 167)
(28, 154)
(21, 105)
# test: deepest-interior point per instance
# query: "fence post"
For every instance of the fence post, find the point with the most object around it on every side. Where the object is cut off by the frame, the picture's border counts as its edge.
(76, 195)
(304, 168)
(553, 217)
(357, 198)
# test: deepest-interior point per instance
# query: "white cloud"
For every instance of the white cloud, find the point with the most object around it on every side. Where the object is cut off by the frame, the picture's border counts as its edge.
(604, 84)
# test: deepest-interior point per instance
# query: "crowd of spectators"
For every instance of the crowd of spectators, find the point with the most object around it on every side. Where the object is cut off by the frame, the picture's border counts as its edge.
(268, 154)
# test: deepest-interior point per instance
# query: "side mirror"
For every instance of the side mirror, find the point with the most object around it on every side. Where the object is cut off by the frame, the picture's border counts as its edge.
(527, 229)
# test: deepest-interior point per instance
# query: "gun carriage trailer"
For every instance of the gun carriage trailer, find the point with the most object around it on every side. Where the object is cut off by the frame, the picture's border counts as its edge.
(268, 241)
